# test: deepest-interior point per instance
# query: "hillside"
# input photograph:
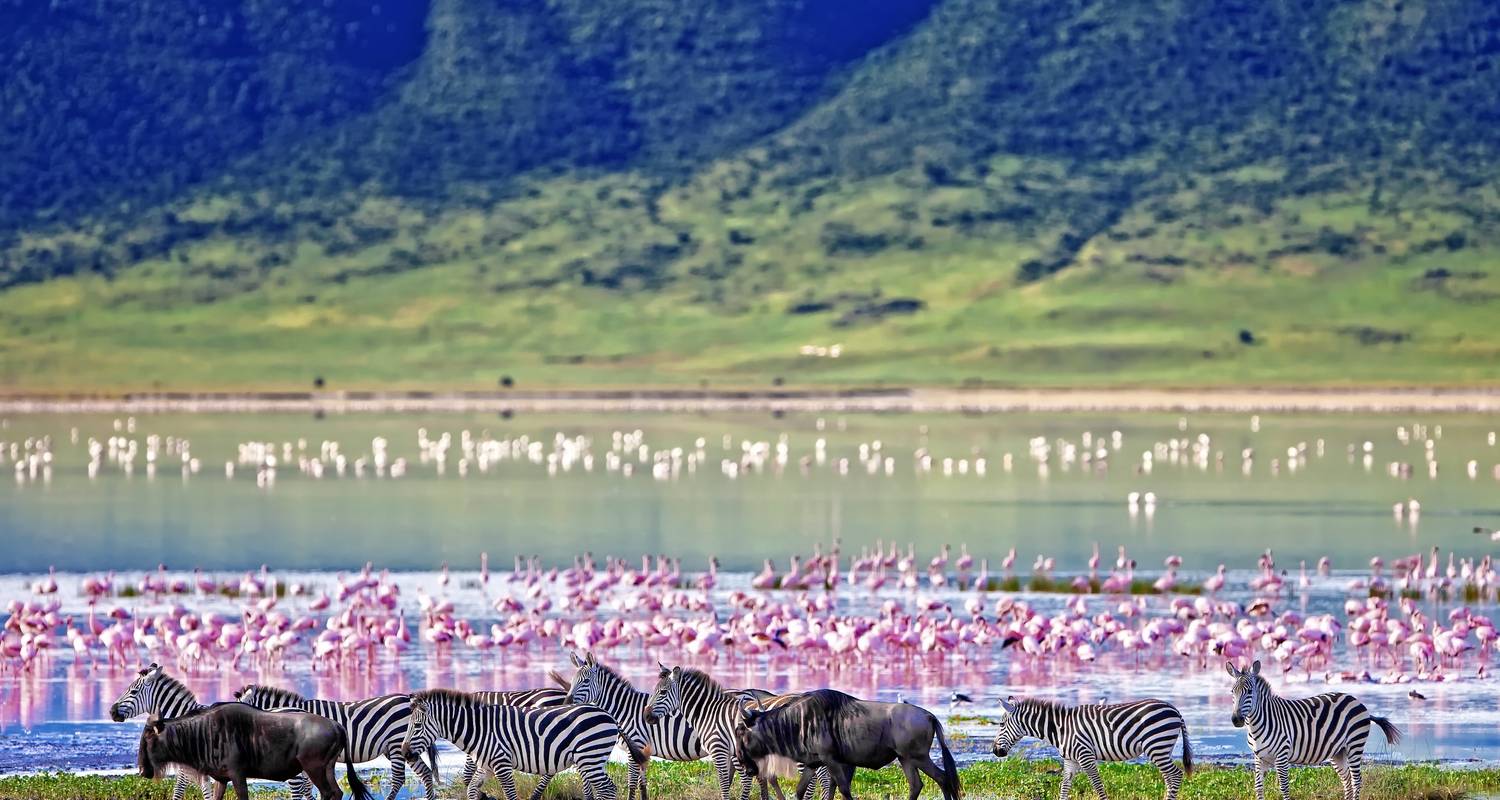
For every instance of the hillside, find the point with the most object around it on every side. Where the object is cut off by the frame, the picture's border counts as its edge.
(210, 194)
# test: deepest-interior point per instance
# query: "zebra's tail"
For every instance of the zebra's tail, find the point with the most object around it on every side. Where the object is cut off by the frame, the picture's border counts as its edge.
(1392, 733)
(557, 678)
(357, 787)
(951, 788)
(432, 759)
(638, 753)
(1187, 753)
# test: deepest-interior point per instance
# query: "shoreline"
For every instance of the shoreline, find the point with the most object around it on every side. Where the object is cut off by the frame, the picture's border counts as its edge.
(913, 400)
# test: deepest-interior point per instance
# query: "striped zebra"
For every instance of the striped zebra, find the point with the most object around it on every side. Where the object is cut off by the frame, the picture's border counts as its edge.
(712, 712)
(156, 693)
(376, 726)
(670, 738)
(525, 698)
(504, 739)
(1329, 728)
(1086, 735)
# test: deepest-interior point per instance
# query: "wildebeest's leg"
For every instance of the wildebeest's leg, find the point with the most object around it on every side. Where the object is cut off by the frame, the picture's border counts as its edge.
(325, 779)
(219, 788)
(843, 777)
(804, 779)
(924, 762)
(913, 778)
(241, 788)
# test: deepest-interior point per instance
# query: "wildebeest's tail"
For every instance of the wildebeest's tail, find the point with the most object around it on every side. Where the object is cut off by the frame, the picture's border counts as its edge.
(951, 788)
(357, 787)
(1187, 753)
(1392, 733)
(557, 678)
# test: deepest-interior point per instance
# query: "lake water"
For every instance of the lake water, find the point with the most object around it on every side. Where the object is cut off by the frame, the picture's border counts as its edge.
(734, 498)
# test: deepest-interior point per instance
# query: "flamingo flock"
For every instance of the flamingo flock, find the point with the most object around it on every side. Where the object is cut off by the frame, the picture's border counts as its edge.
(1420, 621)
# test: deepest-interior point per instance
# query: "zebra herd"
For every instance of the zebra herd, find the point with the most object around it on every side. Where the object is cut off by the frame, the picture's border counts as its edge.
(824, 735)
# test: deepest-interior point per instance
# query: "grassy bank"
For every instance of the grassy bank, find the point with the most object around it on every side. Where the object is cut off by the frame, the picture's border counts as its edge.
(1011, 778)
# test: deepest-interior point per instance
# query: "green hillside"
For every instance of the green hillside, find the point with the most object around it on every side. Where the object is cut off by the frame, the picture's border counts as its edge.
(209, 194)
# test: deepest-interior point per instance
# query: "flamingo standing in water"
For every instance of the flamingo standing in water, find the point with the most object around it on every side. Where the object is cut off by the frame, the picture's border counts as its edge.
(767, 577)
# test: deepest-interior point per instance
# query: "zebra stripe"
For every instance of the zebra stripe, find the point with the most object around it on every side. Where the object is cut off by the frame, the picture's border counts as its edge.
(1330, 728)
(713, 712)
(671, 738)
(526, 698)
(504, 739)
(1086, 735)
(156, 693)
(376, 727)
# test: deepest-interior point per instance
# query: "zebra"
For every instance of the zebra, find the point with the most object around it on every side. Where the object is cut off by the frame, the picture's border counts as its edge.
(377, 727)
(712, 712)
(156, 693)
(525, 698)
(668, 737)
(1329, 728)
(503, 739)
(1086, 735)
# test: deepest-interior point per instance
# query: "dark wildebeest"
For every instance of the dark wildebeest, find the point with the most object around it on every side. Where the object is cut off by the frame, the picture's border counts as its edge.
(231, 742)
(831, 729)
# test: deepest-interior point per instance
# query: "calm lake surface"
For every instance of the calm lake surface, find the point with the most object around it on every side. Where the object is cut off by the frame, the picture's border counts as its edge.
(1337, 504)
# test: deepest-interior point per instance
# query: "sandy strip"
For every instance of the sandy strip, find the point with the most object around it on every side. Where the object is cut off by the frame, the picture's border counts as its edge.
(1392, 400)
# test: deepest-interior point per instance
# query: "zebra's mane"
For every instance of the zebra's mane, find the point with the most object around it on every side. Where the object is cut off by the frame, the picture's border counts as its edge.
(1037, 704)
(276, 694)
(451, 696)
(698, 679)
(608, 675)
(166, 684)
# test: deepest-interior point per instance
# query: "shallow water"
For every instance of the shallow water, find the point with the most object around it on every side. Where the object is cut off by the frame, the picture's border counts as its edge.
(1209, 511)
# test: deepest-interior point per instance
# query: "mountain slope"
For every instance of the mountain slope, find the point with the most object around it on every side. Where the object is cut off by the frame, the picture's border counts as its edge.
(1010, 191)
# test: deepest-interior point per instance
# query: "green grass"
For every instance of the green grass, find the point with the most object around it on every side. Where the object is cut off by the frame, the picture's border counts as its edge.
(1010, 778)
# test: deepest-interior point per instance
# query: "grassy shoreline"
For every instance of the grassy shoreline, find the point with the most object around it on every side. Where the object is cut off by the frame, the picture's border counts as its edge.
(1310, 399)
(992, 779)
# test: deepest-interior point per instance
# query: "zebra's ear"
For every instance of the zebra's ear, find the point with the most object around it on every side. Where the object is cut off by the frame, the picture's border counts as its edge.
(573, 656)
(1229, 668)
(676, 673)
(1255, 668)
(752, 715)
(589, 658)
(1009, 705)
(664, 671)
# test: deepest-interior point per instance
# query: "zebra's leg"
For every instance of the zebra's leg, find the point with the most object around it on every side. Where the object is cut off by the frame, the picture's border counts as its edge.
(1171, 774)
(595, 778)
(398, 770)
(804, 779)
(1070, 769)
(300, 787)
(824, 777)
(1284, 775)
(1356, 777)
(507, 777)
(1341, 766)
(419, 766)
(541, 787)
(468, 775)
(723, 758)
(1261, 767)
(1091, 769)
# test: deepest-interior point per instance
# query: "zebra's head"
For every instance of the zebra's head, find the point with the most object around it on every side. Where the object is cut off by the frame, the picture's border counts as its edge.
(666, 699)
(1011, 729)
(419, 726)
(587, 687)
(1249, 687)
(137, 697)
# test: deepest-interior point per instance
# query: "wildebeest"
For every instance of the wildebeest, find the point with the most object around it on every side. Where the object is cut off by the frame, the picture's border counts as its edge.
(826, 728)
(232, 742)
